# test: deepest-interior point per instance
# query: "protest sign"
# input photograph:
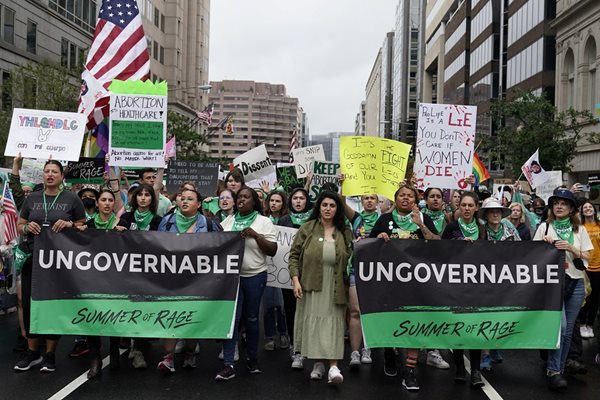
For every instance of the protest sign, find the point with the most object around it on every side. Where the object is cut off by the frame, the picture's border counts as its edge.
(304, 157)
(451, 294)
(372, 165)
(138, 124)
(546, 189)
(203, 175)
(287, 179)
(278, 273)
(445, 145)
(86, 170)
(135, 284)
(32, 170)
(535, 174)
(45, 134)
(323, 172)
(269, 180)
(254, 163)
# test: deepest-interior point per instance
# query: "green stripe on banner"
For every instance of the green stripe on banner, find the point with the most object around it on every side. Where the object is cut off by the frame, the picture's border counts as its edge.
(449, 330)
(207, 319)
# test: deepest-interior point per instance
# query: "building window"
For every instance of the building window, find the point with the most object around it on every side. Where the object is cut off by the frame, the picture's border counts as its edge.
(155, 50)
(569, 73)
(162, 55)
(6, 95)
(590, 56)
(8, 25)
(156, 17)
(81, 12)
(64, 53)
(162, 22)
(31, 37)
(30, 92)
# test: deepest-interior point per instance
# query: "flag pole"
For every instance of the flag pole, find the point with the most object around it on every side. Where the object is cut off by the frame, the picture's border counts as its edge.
(478, 144)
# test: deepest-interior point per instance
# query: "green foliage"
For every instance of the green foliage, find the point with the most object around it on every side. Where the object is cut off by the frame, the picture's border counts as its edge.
(528, 122)
(190, 143)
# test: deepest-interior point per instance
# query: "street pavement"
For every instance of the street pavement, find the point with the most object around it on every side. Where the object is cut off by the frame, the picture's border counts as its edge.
(519, 377)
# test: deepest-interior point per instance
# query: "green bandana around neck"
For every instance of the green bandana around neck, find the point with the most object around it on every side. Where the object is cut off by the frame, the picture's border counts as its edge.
(369, 219)
(91, 216)
(495, 235)
(273, 219)
(470, 230)
(143, 219)
(564, 229)
(108, 224)
(438, 218)
(405, 222)
(242, 222)
(300, 218)
(184, 223)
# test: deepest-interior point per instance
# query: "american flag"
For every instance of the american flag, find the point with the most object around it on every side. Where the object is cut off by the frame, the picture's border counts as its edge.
(119, 50)
(205, 115)
(10, 215)
(294, 142)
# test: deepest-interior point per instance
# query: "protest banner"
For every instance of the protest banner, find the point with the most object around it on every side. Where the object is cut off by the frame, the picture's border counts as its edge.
(254, 163)
(32, 170)
(533, 171)
(445, 145)
(45, 134)
(135, 284)
(86, 170)
(278, 272)
(323, 172)
(372, 165)
(138, 124)
(203, 175)
(287, 179)
(452, 294)
(304, 157)
(546, 189)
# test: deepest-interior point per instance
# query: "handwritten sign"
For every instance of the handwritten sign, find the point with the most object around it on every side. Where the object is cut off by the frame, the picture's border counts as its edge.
(304, 157)
(138, 126)
(278, 273)
(45, 134)
(372, 165)
(32, 170)
(86, 170)
(286, 177)
(323, 172)
(254, 163)
(546, 189)
(445, 145)
(203, 175)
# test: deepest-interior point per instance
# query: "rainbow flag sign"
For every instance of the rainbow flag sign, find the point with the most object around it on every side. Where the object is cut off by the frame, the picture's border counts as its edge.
(479, 170)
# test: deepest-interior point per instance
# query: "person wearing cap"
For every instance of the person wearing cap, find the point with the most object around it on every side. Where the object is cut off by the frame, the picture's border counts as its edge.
(564, 230)
(496, 226)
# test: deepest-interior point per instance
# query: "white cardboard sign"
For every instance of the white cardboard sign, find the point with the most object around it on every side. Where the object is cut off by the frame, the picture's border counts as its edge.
(278, 273)
(254, 163)
(304, 157)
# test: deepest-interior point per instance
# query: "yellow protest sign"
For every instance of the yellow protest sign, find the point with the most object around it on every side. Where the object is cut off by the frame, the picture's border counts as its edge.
(372, 165)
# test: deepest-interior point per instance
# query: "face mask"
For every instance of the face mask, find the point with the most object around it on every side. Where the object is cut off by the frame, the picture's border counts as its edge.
(538, 211)
(89, 203)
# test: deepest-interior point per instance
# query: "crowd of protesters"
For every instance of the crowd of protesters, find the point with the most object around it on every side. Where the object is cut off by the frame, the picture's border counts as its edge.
(312, 319)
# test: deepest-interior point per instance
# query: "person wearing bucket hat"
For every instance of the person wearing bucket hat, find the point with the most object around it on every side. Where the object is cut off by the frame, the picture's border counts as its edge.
(564, 230)
(496, 227)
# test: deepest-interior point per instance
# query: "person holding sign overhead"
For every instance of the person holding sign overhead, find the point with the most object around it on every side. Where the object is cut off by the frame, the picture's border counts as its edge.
(51, 208)
(404, 222)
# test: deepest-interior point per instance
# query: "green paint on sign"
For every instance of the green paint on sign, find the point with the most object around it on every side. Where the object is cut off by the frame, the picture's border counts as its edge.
(143, 135)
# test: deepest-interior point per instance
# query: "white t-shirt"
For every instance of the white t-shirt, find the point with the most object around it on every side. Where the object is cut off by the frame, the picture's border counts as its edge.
(255, 261)
(581, 241)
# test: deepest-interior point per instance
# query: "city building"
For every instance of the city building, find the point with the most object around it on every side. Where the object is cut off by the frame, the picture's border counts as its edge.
(373, 99)
(262, 113)
(386, 91)
(577, 26)
(331, 144)
(360, 121)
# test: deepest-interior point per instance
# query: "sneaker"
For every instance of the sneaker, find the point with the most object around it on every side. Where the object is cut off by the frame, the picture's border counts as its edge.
(252, 365)
(297, 361)
(557, 382)
(179, 346)
(167, 364)
(189, 360)
(48, 363)
(318, 371)
(334, 377)
(30, 359)
(79, 349)
(476, 380)
(389, 363)
(270, 345)
(574, 367)
(496, 357)
(354, 360)
(137, 359)
(225, 374)
(409, 379)
(486, 363)
(435, 359)
(365, 356)
(284, 341)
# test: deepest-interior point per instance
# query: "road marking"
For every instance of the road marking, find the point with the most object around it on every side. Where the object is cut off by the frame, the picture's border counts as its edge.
(80, 380)
(488, 389)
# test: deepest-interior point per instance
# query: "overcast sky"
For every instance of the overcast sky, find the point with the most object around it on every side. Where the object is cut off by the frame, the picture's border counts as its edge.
(321, 50)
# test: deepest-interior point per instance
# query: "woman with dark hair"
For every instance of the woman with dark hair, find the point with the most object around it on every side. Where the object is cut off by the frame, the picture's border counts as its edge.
(404, 222)
(277, 205)
(468, 228)
(261, 241)
(588, 313)
(51, 208)
(434, 208)
(563, 229)
(317, 262)
(234, 180)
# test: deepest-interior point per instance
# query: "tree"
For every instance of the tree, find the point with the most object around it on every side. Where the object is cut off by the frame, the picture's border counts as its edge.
(190, 143)
(528, 122)
(44, 86)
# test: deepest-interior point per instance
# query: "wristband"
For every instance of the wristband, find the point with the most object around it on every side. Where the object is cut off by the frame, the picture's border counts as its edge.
(25, 227)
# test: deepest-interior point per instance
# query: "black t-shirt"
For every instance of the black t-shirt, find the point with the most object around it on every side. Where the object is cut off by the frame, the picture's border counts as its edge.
(67, 207)
(127, 220)
(385, 223)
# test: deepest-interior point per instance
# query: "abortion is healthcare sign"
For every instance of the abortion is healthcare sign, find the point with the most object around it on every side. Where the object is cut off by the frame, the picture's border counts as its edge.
(45, 134)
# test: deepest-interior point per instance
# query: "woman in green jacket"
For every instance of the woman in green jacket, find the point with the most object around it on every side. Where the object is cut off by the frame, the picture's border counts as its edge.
(317, 262)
